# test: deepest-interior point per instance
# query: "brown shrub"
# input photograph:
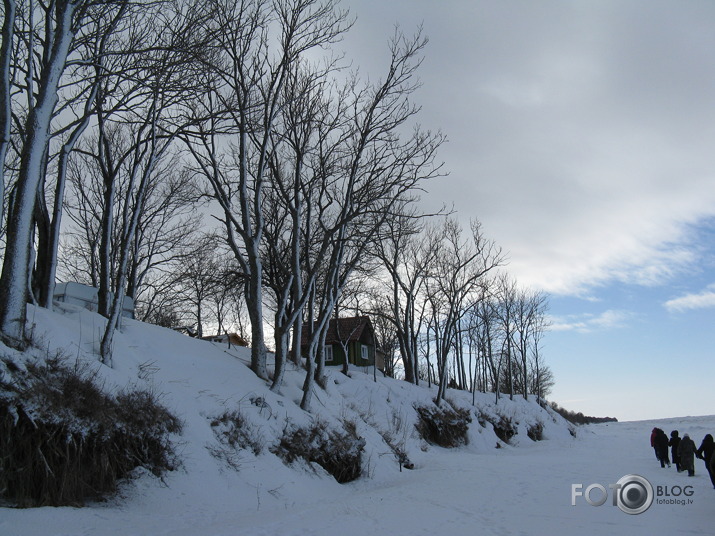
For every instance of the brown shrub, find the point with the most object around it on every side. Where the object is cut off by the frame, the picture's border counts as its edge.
(443, 426)
(340, 454)
(64, 440)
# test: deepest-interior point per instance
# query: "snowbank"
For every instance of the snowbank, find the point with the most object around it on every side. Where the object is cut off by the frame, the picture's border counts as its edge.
(201, 381)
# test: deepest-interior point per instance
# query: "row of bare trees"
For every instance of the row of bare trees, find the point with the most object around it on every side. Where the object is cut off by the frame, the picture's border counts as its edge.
(450, 316)
(134, 117)
(94, 98)
(127, 115)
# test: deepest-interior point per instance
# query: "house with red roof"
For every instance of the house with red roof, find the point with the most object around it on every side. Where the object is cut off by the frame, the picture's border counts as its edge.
(351, 338)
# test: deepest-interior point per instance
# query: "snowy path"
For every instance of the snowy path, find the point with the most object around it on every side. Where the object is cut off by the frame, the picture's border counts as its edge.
(521, 491)
(525, 491)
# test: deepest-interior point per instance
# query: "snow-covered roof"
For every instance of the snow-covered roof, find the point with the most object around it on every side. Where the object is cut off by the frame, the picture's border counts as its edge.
(344, 330)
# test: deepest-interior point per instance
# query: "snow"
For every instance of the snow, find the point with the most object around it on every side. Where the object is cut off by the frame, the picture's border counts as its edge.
(521, 488)
(88, 297)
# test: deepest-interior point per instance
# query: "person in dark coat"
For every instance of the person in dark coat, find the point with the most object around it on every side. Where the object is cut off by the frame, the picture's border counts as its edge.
(653, 433)
(686, 453)
(705, 452)
(712, 468)
(661, 448)
(674, 443)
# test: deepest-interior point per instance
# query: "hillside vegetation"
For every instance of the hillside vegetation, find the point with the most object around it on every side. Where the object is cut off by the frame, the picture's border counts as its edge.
(189, 417)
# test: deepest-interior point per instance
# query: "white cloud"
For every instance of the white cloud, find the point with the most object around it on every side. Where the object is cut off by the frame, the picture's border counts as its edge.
(580, 133)
(587, 323)
(700, 300)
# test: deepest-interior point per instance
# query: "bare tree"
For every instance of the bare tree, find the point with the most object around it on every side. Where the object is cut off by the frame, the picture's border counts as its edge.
(90, 69)
(487, 342)
(381, 172)
(542, 379)
(407, 255)
(71, 59)
(241, 105)
(222, 299)
(476, 355)
(161, 302)
(50, 40)
(151, 124)
(506, 293)
(527, 319)
(6, 56)
(388, 342)
(457, 276)
(199, 282)
(167, 223)
(302, 157)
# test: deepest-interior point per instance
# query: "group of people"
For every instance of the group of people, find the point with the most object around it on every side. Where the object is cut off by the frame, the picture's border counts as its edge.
(683, 451)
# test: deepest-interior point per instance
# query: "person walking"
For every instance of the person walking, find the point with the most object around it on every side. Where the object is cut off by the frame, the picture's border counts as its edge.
(654, 433)
(674, 443)
(686, 453)
(705, 452)
(661, 448)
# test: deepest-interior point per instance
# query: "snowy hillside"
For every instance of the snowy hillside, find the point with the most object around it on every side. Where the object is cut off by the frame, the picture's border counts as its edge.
(222, 490)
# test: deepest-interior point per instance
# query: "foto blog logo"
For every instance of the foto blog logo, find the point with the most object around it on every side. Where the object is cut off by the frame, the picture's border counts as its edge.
(632, 494)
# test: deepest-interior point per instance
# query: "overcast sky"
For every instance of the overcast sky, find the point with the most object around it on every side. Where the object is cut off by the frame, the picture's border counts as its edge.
(582, 136)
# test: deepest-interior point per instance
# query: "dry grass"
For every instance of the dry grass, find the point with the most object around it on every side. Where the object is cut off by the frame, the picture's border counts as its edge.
(443, 426)
(339, 453)
(65, 440)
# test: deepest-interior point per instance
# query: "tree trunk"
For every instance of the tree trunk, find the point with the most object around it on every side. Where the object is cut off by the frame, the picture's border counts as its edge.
(42, 226)
(281, 342)
(16, 265)
(8, 28)
(297, 339)
(47, 257)
(107, 224)
(254, 303)
(309, 382)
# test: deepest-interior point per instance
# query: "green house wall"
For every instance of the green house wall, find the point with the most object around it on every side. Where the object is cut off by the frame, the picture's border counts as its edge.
(354, 355)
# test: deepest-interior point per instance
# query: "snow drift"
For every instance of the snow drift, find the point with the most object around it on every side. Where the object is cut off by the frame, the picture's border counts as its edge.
(235, 428)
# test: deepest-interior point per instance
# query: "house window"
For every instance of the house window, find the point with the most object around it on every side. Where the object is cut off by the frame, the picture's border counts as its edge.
(365, 354)
(328, 351)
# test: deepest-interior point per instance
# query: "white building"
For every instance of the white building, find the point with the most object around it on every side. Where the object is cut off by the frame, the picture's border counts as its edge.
(87, 297)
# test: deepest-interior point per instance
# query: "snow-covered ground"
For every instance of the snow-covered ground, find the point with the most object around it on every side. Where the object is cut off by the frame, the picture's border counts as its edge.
(521, 488)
